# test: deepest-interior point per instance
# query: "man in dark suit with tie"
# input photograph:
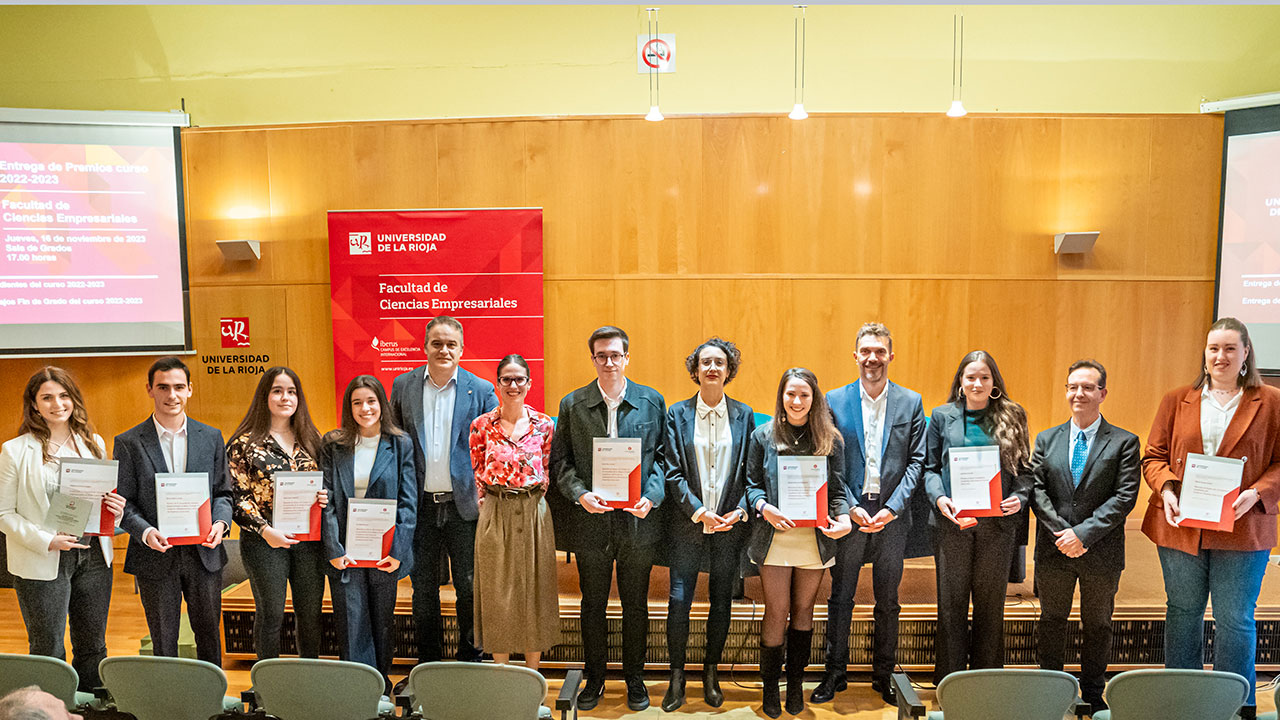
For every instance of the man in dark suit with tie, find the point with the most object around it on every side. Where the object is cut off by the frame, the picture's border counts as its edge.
(883, 429)
(169, 441)
(435, 404)
(610, 407)
(1086, 481)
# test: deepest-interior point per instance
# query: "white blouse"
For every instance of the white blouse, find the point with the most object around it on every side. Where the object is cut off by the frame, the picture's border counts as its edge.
(366, 451)
(1214, 418)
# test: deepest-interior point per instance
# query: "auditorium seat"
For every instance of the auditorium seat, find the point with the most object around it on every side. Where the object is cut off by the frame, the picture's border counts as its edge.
(51, 675)
(995, 694)
(476, 691)
(165, 688)
(1273, 714)
(1182, 694)
(306, 689)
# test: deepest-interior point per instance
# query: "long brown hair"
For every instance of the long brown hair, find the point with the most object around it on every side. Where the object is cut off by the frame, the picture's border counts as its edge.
(349, 432)
(1250, 377)
(1006, 420)
(821, 426)
(34, 423)
(256, 424)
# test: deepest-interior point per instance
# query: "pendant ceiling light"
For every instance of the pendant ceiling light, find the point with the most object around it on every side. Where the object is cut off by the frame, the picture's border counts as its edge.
(797, 110)
(957, 66)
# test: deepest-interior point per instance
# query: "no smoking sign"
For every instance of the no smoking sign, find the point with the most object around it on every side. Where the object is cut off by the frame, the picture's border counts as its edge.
(656, 53)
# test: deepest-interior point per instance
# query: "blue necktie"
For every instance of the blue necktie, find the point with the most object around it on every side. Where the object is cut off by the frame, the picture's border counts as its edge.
(1078, 455)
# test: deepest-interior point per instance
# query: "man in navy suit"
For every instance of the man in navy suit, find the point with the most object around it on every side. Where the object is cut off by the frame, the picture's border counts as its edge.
(435, 404)
(169, 441)
(883, 429)
(1086, 481)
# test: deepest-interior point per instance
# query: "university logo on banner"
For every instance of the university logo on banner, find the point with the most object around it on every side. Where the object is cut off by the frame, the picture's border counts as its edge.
(481, 267)
(235, 332)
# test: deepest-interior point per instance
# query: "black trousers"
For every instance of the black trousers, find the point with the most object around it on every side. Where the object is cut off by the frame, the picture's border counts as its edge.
(271, 572)
(721, 552)
(884, 550)
(441, 530)
(80, 596)
(1056, 583)
(972, 564)
(595, 571)
(162, 604)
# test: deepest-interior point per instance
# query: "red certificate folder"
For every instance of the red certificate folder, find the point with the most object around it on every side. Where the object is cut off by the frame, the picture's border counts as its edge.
(633, 491)
(997, 494)
(822, 509)
(106, 522)
(387, 537)
(206, 525)
(1226, 522)
(314, 532)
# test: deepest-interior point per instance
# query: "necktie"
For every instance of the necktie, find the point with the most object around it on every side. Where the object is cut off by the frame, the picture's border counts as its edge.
(1078, 455)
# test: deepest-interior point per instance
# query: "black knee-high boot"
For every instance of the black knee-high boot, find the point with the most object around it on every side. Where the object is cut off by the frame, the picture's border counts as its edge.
(798, 644)
(770, 672)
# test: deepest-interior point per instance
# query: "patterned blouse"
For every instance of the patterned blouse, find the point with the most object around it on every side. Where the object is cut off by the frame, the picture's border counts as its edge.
(498, 460)
(253, 467)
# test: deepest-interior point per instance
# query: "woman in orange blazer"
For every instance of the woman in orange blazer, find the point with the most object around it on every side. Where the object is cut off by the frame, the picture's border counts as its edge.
(1228, 412)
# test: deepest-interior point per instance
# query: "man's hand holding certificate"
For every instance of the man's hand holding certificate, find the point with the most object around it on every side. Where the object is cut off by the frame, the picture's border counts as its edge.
(90, 481)
(295, 510)
(615, 472)
(183, 515)
(802, 489)
(1210, 486)
(976, 488)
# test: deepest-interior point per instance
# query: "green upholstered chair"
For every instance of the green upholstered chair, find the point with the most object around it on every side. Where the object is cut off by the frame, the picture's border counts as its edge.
(306, 689)
(995, 694)
(51, 675)
(1182, 694)
(476, 691)
(165, 688)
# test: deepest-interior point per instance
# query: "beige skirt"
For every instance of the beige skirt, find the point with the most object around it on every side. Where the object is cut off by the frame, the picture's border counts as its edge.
(516, 595)
(797, 547)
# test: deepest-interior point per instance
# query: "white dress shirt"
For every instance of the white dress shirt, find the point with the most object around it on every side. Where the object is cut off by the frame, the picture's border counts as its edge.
(1214, 418)
(613, 405)
(437, 428)
(173, 445)
(713, 451)
(366, 451)
(873, 410)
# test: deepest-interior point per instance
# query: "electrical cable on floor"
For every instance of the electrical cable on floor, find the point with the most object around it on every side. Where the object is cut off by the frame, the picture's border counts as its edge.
(742, 646)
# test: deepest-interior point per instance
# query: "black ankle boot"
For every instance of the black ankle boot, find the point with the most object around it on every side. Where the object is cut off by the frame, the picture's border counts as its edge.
(1248, 712)
(798, 643)
(675, 692)
(770, 672)
(711, 685)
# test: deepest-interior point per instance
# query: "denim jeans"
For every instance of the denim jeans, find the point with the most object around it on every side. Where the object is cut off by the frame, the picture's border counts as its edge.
(82, 591)
(1233, 579)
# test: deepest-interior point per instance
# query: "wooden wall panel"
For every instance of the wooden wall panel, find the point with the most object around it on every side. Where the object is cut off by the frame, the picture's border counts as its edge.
(228, 197)
(311, 173)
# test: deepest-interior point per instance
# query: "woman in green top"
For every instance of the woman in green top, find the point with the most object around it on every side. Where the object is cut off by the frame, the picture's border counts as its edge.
(973, 558)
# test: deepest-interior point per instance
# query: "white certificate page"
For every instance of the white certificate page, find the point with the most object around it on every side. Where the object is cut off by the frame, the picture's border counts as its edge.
(295, 495)
(612, 464)
(972, 469)
(1206, 483)
(799, 479)
(368, 522)
(88, 480)
(179, 497)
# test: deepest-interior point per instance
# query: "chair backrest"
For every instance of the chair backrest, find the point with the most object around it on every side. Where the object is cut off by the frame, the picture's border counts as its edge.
(999, 694)
(51, 675)
(306, 689)
(164, 688)
(1160, 694)
(475, 691)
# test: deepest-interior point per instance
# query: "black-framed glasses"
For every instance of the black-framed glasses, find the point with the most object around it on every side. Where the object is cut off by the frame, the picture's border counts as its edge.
(516, 381)
(607, 358)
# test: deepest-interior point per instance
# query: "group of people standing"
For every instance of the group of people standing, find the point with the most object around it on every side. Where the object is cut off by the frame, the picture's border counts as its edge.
(477, 475)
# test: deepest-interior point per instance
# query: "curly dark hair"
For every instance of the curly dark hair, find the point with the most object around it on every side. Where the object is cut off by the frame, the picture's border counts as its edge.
(730, 351)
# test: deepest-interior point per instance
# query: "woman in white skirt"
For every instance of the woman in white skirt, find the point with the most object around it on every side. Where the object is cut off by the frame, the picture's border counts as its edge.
(791, 559)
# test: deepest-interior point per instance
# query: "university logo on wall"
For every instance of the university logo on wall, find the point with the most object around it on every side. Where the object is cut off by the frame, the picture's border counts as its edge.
(360, 243)
(235, 332)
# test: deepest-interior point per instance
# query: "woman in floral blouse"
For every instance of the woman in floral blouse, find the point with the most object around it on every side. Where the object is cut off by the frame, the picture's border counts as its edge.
(277, 435)
(517, 600)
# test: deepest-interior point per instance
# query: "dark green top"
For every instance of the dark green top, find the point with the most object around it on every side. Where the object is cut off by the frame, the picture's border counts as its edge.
(974, 434)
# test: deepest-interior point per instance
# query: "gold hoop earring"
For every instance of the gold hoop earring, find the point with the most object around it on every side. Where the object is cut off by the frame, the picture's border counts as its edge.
(996, 397)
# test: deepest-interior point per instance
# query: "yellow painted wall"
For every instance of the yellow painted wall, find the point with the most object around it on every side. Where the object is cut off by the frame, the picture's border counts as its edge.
(239, 65)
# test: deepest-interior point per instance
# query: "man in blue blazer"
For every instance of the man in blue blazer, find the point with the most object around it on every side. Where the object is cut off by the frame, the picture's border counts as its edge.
(435, 404)
(599, 535)
(169, 441)
(883, 429)
(1087, 473)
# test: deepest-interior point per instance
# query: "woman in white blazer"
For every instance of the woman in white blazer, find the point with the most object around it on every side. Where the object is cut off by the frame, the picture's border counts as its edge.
(56, 576)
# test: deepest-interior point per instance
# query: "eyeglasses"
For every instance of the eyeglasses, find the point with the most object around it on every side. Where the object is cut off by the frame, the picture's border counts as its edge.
(519, 382)
(1090, 388)
(607, 358)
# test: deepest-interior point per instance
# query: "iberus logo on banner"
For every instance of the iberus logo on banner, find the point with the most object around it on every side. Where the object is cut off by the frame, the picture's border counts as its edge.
(391, 271)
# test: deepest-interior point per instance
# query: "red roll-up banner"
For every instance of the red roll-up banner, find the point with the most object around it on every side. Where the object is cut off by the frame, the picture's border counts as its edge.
(391, 271)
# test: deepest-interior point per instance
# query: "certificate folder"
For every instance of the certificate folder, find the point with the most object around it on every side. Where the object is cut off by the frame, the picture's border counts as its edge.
(89, 479)
(1210, 486)
(615, 470)
(368, 522)
(387, 538)
(802, 489)
(292, 489)
(996, 489)
(821, 510)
